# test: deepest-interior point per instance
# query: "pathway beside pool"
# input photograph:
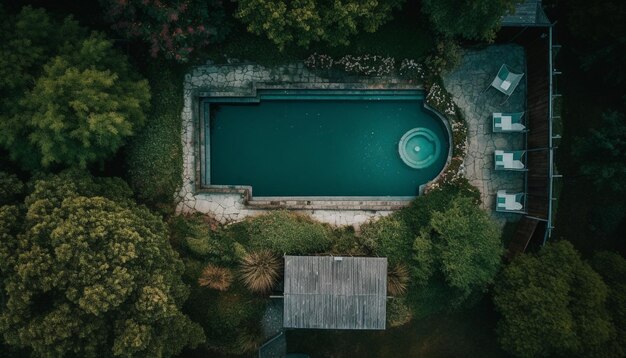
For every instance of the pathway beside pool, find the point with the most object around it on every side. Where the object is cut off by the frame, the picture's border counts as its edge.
(467, 84)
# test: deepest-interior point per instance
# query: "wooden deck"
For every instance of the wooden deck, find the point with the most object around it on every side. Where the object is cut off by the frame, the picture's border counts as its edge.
(537, 44)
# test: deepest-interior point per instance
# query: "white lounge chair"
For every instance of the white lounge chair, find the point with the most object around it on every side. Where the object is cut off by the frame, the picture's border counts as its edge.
(511, 203)
(506, 81)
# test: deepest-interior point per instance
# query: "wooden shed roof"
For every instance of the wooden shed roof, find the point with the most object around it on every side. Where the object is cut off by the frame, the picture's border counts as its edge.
(329, 292)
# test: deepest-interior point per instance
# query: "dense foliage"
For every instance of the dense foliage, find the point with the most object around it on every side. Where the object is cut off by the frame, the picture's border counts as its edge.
(154, 158)
(462, 246)
(73, 99)
(228, 310)
(172, 28)
(602, 46)
(471, 19)
(284, 232)
(612, 267)
(603, 150)
(553, 303)
(305, 21)
(390, 237)
(89, 273)
(450, 247)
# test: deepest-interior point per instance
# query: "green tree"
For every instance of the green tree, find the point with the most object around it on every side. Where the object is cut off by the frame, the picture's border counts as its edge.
(602, 152)
(612, 267)
(462, 246)
(29, 39)
(305, 21)
(600, 47)
(172, 28)
(552, 304)
(91, 274)
(83, 103)
(471, 19)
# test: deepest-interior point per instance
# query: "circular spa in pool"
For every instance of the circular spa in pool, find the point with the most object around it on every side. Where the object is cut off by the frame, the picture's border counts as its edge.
(419, 148)
(324, 143)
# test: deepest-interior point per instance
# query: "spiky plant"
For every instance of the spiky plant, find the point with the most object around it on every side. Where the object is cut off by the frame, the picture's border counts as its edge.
(215, 277)
(249, 340)
(397, 279)
(259, 271)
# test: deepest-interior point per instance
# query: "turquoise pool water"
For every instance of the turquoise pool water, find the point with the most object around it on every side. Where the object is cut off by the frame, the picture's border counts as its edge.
(316, 143)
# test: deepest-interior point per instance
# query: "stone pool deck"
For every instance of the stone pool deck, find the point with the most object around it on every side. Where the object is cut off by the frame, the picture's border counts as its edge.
(242, 79)
(467, 84)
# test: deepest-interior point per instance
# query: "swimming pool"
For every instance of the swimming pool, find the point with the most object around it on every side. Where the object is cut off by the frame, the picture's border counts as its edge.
(323, 143)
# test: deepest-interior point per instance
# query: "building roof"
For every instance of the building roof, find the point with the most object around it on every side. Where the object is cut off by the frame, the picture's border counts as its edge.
(335, 292)
(527, 13)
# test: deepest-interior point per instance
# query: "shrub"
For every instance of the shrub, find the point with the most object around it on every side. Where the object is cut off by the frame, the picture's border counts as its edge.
(285, 232)
(423, 259)
(440, 99)
(174, 29)
(302, 22)
(232, 319)
(367, 65)
(154, 158)
(260, 271)
(250, 339)
(398, 313)
(319, 62)
(215, 277)
(195, 236)
(412, 70)
(446, 56)
(397, 279)
(345, 242)
(389, 237)
(474, 20)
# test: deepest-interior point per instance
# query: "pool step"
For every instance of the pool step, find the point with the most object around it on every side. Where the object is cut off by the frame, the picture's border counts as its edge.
(303, 204)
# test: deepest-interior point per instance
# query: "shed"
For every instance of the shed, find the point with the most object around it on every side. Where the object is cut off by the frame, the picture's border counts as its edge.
(330, 292)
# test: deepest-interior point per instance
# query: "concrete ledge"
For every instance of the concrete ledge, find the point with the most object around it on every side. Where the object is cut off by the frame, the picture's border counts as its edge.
(300, 204)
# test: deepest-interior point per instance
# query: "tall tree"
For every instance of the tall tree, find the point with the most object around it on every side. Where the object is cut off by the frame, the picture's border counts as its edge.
(602, 152)
(90, 273)
(304, 21)
(552, 304)
(471, 19)
(612, 267)
(462, 248)
(76, 107)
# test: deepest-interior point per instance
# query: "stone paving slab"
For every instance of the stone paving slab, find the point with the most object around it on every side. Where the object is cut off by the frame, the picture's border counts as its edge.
(467, 84)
